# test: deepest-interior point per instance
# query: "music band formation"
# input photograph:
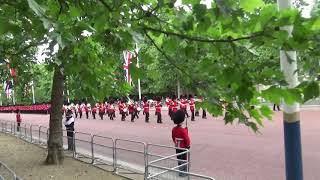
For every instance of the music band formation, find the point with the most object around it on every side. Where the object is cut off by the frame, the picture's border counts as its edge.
(132, 108)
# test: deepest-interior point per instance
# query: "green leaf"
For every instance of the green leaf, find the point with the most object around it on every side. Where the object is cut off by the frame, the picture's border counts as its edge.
(312, 90)
(251, 5)
(74, 12)
(266, 112)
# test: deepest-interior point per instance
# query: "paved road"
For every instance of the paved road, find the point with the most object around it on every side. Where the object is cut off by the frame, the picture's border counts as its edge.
(231, 152)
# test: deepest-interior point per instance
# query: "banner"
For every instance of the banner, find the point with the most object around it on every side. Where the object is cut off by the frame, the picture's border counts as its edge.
(127, 61)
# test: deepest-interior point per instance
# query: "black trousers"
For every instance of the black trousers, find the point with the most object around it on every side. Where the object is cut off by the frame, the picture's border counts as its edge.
(204, 114)
(94, 115)
(136, 114)
(274, 107)
(192, 115)
(159, 119)
(197, 113)
(147, 116)
(112, 115)
(132, 116)
(80, 114)
(185, 112)
(18, 127)
(101, 115)
(123, 116)
(76, 114)
(87, 114)
(182, 157)
(70, 136)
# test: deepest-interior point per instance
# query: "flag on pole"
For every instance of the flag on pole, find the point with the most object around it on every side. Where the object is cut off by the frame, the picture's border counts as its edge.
(127, 61)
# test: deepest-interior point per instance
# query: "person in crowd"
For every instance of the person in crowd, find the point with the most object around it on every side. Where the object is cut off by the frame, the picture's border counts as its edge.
(181, 139)
(276, 106)
(131, 110)
(183, 105)
(18, 119)
(122, 110)
(136, 110)
(69, 124)
(146, 108)
(174, 106)
(86, 110)
(168, 103)
(94, 111)
(79, 108)
(111, 111)
(101, 111)
(192, 107)
(158, 110)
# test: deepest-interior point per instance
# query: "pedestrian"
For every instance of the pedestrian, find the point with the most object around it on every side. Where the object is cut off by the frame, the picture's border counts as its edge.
(122, 110)
(158, 110)
(86, 109)
(180, 137)
(69, 124)
(192, 106)
(146, 108)
(274, 107)
(18, 119)
(80, 110)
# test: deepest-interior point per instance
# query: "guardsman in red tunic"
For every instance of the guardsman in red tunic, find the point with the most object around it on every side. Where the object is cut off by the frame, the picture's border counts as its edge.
(86, 109)
(174, 105)
(168, 103)
(94, 111)
(192, 106)
(136, 111)
(158, 110)
(183, 106)
(131, 111)
(111, 111)
(122, 110)
(101, 110)
(79, 110)
(146, 110)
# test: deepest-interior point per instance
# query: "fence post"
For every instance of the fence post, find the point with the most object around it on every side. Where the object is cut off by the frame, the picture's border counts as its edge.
(31, 133)
(115, 157)
(146, 160)
(74, 144)
(114, 154)
(39, 135)
(189, 163)
(92, 150)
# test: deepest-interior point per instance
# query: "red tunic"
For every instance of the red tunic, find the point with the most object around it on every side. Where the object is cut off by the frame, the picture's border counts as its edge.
(183, 104)
(146, 107)
(174, 106)
(101, 109)
(131, 108)
(18, 118)
(192, 104)
(181, 133)
(158, 106)
(94, 109)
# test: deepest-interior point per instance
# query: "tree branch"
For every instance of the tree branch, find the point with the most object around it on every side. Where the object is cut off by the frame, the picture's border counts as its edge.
(21, 51)
(106, 5)
(201, 39)
(166, 56)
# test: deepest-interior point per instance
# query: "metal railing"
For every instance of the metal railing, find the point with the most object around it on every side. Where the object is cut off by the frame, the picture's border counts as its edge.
(128, 158)
(6, 173)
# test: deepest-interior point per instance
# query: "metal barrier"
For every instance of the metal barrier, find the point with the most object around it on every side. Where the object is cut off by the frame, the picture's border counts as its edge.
(83, 146)
(103, 151)
(124, 157)
(133, 161)
(6, 173)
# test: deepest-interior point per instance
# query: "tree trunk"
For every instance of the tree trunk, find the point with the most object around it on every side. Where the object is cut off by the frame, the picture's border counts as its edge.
(55, 142)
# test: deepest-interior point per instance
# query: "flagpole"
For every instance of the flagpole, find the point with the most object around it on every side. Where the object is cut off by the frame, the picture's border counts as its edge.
(138, 66)
(33, 95)
(0, 98)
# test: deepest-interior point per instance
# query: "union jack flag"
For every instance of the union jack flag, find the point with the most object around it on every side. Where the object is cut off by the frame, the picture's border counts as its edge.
(127, 61)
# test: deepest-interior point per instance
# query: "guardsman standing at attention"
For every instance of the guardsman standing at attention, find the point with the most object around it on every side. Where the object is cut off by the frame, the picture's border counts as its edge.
(192, 106)
(146, 110)
(158, 110)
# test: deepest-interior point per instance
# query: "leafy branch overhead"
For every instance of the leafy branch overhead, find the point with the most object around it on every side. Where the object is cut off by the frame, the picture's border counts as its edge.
(223, 51)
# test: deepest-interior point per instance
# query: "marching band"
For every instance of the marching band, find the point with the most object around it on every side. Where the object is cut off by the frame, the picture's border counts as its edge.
(132, 108)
